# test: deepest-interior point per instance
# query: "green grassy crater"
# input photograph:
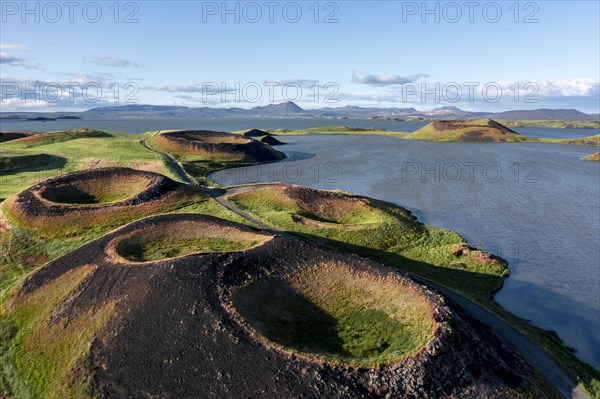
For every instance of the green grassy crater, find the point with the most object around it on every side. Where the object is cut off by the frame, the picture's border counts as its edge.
(98, 191)
(184, 238)
(332, 313)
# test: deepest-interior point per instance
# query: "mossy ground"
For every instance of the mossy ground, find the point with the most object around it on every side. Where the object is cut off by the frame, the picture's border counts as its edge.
(334, 314)
(44, 358)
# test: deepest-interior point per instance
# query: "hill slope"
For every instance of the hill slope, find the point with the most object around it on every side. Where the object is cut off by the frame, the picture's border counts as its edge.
(478, 130)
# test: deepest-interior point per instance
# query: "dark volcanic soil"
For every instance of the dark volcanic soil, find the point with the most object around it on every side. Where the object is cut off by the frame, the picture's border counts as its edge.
(174, 337)
(256, 133)
(270, 140)
(452, 125)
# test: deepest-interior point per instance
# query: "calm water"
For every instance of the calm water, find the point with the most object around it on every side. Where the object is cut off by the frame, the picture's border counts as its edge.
(223, 124)
(537, 205)
(233, 124)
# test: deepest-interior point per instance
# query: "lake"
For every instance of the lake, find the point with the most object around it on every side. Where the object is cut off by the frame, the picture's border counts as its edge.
(233, 124)
(222, 124)
(536, 205)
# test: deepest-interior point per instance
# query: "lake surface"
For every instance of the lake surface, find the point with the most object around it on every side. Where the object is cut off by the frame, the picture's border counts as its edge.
(233, 124)
(222, 124)
(536, 205)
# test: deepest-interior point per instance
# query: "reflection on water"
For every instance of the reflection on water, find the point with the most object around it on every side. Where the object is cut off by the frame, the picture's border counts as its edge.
(536, 205)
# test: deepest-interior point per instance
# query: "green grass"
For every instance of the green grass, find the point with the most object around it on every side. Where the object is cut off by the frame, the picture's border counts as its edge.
(590, 140)
(553, 124)
(29, 163)
(331, 313)
(42, 359)
(42, 139)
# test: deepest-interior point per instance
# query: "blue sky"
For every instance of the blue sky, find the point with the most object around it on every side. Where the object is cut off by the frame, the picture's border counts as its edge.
(386, 53)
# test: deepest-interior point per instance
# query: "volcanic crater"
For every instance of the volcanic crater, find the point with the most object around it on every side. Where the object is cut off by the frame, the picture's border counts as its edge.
(214, 324)
(93, 197)
(206, 144)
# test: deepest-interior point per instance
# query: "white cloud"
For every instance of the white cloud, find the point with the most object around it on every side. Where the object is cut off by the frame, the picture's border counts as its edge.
(79, 93)
(14, 47)
(108, 60)
(384, 80)
(208, 87)
(303, 83)
(9, 59)
(567, 87)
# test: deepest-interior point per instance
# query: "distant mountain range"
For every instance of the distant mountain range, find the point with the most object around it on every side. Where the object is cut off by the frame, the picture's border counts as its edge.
(290, 109)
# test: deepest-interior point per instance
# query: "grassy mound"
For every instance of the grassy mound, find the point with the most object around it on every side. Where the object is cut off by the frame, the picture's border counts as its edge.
(94, 199)
(204, 145)
(156, 242)
(30, 163)
(591, 140)
(592, 157)
(40, 139)
(481, 130)
(332, 312)
(378, 230)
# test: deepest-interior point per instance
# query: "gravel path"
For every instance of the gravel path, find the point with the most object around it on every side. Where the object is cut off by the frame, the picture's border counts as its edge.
(172, 164)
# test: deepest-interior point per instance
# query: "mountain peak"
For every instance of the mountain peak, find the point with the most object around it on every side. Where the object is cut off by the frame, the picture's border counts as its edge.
(448, 108)
(286, 107)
